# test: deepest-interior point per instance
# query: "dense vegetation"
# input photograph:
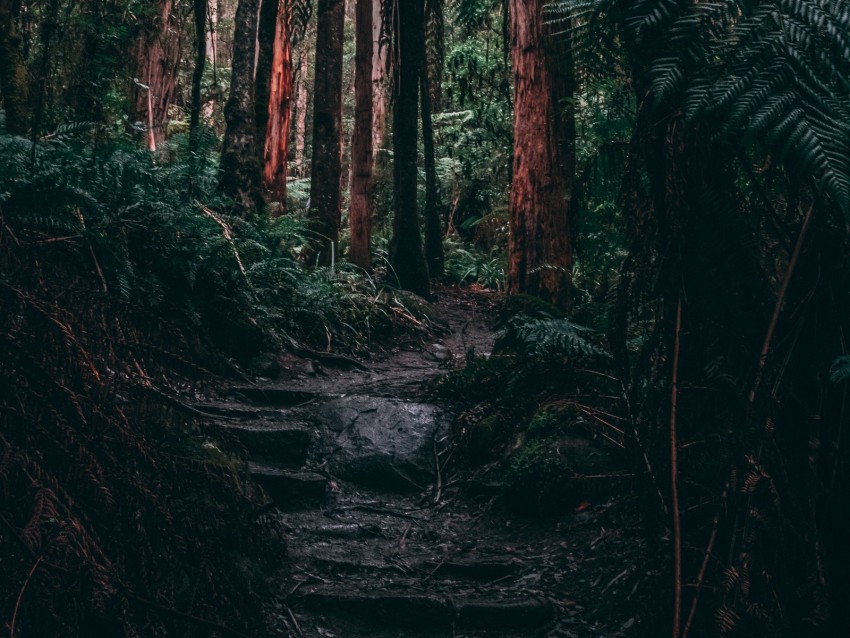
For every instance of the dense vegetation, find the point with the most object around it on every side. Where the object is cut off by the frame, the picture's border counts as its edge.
(660, 187)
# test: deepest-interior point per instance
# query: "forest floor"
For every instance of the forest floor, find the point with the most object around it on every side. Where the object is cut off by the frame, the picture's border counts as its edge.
(390, 534)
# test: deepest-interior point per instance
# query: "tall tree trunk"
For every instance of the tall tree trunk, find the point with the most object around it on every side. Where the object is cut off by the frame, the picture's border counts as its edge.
(200, 15)
(379, 77)
(157, 52)
(301, 112)
(406, 255)
(433, 228)
(13, 73)
(326, 166)
(278, 109)
(540, 248)
(240, 164)
(360, 213)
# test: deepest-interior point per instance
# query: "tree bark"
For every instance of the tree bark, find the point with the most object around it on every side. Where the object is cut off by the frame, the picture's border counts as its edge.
(540, 247)
(240, 164)
(274, 104)
(360, 212)
(13, 73)
(301, 112)
(200, 18)
(406, 256)
(379, 78)
(157, 51)
(433, 227)
(326, 165)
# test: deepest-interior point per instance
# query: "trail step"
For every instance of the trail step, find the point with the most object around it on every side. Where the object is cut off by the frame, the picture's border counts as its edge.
(290, 488)
(278, 443)
(271, 395)
(476, 568)
(432, 610)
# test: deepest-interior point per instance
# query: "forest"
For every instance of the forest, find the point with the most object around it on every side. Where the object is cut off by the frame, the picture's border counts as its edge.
(424, 318)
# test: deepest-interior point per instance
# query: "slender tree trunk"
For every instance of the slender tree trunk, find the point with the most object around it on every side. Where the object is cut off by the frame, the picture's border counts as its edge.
(280, 110)
(240, 164)
(433, 228)
(274, 95)
(360, 213)
(200, 18)
(540, 248)
(406, 256)
(379, 78)
(326, 166)
(13, 73)
(157, 51)
(301, 112)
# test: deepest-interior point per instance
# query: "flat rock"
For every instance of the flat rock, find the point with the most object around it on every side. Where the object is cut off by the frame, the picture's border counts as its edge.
(278, 443)
(401, 610)
(271, 395)
(523, 613)
(383, 444)
(478, 568)
(288, 488)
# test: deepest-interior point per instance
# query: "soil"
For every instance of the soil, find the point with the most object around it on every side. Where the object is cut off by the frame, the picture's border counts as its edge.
(391, 535)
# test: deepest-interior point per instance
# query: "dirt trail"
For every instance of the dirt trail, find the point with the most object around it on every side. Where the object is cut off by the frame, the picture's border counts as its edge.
(388, 538)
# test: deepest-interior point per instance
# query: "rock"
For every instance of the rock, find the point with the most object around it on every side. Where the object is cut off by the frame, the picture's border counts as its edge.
(384, 444)
(279, 443)
(405, 610)
(289, 488)
(477, 568)
(439, 352)
(270, 395)
(505, 613)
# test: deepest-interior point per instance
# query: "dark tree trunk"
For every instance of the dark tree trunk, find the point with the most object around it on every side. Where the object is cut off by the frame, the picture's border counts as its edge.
(240, 164)
(326, 166)
(433, 228)
(360, 213)
(13, 73)
(274, 111)
(200, 16)
(406, 256)
(157, 53)
(540, 247)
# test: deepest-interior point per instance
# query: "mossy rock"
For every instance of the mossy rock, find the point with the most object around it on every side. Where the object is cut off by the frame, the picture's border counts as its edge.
(548, 476)
(553, 420)
(485, 437)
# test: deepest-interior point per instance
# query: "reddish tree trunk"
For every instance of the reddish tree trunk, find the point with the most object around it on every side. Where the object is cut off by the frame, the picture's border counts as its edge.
(326, 165)
(360, 213)
(157, 51)
(274, 105)
(540, 247)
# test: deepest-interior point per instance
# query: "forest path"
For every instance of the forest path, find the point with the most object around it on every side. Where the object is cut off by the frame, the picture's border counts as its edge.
(387, 537)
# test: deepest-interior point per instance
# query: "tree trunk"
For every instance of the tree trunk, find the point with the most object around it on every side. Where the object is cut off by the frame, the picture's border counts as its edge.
(301, 112)
(13, 73)
(406, 255)
(540, 249)
(240, 164)
(360, 213)
(379, 78)
(433, 228)
(200, 16)
(157, 52)
(326, 166)
(274, 97)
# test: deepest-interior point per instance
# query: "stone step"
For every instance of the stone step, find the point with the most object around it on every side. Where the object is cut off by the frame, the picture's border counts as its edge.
(426, 610)
(271, 396)
(282, 444)
(475, 568)
(290, 489)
